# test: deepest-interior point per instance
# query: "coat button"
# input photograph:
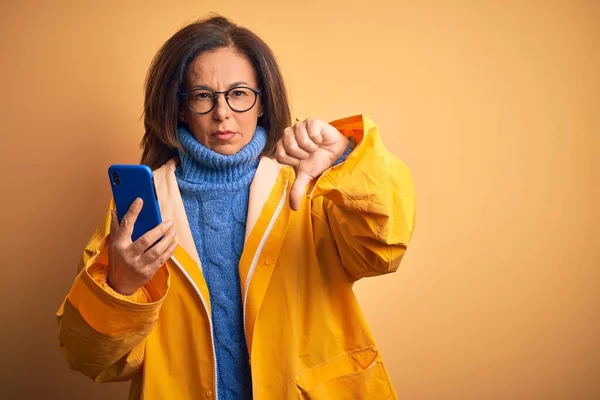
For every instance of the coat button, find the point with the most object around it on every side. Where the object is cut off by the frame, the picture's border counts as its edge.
(379, 360)
(374, 349)
(208, 393)
(268, 261)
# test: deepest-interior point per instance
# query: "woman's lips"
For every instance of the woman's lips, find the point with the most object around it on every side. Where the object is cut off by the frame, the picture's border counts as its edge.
(224, 135)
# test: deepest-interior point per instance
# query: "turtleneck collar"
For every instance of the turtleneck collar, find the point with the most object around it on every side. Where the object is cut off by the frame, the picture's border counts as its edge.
(203, 166)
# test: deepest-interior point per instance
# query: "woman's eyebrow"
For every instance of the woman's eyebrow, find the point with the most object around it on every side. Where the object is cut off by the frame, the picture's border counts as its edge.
(238, 83)
(234, 84)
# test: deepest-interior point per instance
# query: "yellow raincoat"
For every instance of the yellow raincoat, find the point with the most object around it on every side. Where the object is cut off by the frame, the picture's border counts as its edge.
(306, 335)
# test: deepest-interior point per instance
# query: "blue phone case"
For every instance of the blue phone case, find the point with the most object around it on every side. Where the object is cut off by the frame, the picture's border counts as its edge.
(129, 182)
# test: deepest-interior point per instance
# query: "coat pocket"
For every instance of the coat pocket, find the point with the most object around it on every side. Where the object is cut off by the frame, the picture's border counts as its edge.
(351, 376)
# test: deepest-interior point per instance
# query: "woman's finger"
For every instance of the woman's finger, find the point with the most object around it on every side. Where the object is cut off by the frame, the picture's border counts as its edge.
(151, 237)
(128, 220)
(303, 139)
(283, 157)
(159, 248)
(314, 128)
(291, 146)
(164, 257)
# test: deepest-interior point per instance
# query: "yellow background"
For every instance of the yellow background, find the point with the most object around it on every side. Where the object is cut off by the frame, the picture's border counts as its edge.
(495, 106)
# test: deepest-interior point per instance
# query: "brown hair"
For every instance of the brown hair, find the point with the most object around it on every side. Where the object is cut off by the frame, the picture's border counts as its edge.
(166, 76)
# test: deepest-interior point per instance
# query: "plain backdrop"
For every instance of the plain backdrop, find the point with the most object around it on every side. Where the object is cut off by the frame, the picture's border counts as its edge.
(494, 105)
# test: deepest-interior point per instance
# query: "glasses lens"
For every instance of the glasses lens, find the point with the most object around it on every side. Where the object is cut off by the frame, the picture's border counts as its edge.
(201, 101)
(241, 99)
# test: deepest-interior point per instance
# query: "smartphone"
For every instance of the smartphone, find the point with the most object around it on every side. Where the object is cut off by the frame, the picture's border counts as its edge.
(128, 182)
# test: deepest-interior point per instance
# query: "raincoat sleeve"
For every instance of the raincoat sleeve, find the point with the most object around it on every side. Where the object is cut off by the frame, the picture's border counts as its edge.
(102, 332)
(369, 202)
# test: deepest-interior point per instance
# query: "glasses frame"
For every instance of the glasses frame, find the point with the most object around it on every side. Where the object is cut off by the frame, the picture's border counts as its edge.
(184, 96)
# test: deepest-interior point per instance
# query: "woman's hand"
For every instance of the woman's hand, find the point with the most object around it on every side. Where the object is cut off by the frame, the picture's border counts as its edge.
(130, 266)
(310, 146)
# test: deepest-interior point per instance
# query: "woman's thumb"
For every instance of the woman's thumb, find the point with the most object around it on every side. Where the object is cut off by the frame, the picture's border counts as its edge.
(299, 190)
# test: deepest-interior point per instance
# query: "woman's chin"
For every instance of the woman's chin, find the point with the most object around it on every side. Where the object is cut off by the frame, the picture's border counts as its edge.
(226, 149)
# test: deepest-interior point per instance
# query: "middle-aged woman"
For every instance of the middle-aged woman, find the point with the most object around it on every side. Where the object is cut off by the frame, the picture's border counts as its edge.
(267, 226)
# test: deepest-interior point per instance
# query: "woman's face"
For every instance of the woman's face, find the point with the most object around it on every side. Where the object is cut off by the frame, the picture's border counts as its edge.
(222, 129)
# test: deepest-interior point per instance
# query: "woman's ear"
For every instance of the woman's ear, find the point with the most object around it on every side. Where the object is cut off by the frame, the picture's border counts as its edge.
(181, 115)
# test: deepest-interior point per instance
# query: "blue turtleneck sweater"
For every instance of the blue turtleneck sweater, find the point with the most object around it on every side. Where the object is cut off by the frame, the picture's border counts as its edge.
(215, 190)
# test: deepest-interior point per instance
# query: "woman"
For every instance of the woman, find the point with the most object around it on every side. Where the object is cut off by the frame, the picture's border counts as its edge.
(249, 292)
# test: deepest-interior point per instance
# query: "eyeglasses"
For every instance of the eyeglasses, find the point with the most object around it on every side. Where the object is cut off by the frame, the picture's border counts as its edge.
(202, 101)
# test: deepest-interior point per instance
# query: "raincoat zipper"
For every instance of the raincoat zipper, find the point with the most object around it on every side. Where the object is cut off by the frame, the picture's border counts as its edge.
(259, 250)
(212, 339)
(261, 245)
